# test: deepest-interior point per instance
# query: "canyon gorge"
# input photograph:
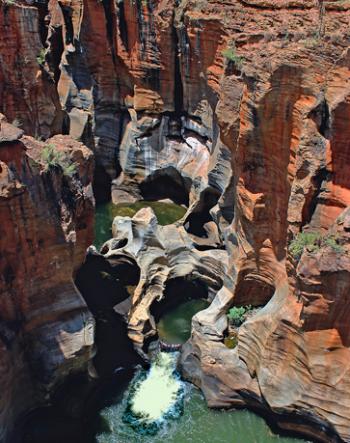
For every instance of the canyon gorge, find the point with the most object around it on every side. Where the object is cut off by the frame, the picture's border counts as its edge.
(235, 114)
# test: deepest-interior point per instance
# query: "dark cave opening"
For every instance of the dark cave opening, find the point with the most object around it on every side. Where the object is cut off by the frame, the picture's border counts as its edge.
(179, 290)
(166, 183)
(195, 222)
(104, 283)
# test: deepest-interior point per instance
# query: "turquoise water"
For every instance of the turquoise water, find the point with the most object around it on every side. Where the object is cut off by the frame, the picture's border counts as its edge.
(166, 213)
(187, 421)
(158, 407)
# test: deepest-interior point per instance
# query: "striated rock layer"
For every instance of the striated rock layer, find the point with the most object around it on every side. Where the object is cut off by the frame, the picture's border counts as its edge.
(239, 110)
(46, 330)
(289, 163)
(292, 356)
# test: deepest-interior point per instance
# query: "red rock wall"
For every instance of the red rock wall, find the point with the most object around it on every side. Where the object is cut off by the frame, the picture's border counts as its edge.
(28, 95)
(281, 108)
(281, 119)
(46, 330)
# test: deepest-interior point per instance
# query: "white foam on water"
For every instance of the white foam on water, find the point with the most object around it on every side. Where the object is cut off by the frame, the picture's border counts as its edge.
(158, 393)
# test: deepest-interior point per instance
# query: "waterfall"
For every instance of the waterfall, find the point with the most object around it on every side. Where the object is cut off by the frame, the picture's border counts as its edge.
(156, 395)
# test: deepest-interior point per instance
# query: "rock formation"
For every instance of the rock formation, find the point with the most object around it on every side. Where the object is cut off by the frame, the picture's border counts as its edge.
(164, 255)
(239, 110)
(292, 355)
(46, 330)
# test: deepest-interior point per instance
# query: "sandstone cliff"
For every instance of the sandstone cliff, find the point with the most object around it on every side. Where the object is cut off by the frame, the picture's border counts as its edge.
(244, 108)
(46, 330)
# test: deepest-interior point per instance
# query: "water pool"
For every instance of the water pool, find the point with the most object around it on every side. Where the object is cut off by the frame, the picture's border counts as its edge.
(195, 424)
(166, 213)
(175, 326)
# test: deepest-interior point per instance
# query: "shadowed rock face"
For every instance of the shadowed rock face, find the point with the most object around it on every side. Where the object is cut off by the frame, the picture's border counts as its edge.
(105, 283)
(46, 330)
(255, 137)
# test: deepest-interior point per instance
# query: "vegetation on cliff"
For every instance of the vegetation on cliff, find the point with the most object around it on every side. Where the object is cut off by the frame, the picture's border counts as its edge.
(231, 56)
(313, 241)
(52, 158)
(237, 315)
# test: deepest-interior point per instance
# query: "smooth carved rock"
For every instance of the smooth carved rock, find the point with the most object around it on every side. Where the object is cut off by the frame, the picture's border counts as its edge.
(163, 254)
(162, 159)
(293, 354)
(285, 175)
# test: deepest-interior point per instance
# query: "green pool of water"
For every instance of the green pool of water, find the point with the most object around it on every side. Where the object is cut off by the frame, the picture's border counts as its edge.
(166, 213)
(186, 419)
(175, 326)
(197, 424)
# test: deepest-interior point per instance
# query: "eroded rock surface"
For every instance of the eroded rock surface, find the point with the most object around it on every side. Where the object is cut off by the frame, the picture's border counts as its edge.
(245, 105)
(289, 352)
(46, 330)
(163, 254)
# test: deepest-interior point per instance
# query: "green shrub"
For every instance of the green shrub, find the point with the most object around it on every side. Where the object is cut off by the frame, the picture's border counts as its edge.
(236, 315)
(311, 43)
(303, 240)
(56, 159)
(41, 56)
(230, 54)
(332, 242)
(313, 241)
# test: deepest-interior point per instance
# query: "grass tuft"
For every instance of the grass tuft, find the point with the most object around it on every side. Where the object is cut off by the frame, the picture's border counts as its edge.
(313, 242)
(56, 159)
